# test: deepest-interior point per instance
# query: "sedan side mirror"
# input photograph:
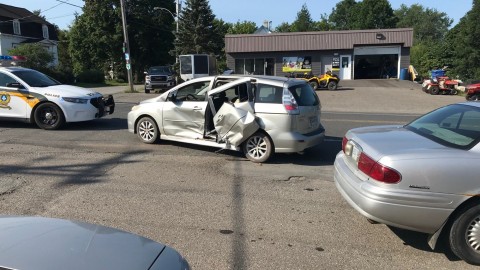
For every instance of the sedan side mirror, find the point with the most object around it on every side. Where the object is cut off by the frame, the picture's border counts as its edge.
(172, 96)
(15, 85)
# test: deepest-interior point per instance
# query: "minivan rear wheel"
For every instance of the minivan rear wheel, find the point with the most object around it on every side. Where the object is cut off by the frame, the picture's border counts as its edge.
(258, 147)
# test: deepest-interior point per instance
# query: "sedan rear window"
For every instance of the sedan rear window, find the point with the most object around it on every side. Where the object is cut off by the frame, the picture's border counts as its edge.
(454, 125)
(304, 95)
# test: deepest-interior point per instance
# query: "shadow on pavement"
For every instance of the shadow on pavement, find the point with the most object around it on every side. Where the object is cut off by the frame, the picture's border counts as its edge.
(321, 155)
(419, 241)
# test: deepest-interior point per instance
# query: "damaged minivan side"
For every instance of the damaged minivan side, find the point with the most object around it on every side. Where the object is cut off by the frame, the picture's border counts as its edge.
(257, 115)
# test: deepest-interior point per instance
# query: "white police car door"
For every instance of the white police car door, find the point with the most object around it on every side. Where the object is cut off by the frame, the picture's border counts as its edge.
(13, 100)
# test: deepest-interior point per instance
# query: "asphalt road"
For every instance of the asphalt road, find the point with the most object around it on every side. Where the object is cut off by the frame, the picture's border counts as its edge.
(217, 208)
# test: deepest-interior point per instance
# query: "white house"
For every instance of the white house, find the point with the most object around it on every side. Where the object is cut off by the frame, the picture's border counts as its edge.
(19, 26)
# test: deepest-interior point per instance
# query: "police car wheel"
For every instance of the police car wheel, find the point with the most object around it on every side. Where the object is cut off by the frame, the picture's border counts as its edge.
(49, 116)
(147, 130)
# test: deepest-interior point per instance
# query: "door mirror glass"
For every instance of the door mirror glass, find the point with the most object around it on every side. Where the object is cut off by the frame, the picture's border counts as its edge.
(15, 85)
(172, 96)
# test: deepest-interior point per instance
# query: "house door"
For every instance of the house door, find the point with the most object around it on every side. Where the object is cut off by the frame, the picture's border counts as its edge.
(345, 67)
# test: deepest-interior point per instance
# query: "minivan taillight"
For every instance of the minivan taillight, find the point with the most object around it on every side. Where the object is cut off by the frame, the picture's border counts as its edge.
(378, 171)
(289, 102)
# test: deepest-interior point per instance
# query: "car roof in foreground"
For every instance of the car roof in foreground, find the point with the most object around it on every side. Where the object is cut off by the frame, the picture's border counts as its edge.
(471, 103)
(46, 243)
(15, 68)
(272, 79)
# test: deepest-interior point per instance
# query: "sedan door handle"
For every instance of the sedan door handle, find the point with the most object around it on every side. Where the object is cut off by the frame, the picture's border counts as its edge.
(196, 108)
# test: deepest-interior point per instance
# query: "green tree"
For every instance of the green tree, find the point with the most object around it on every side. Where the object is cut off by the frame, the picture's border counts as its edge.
(343, 16)
(462, 44)
(197, 32)
(374, 14)
(96, 36)
(64, 59)
(245, 27)
(324, 24)
(427, 23)
(303, 22)
(37, 56)
(284, 27)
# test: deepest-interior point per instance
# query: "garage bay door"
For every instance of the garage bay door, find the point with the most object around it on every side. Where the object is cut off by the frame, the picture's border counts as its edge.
(376, 62)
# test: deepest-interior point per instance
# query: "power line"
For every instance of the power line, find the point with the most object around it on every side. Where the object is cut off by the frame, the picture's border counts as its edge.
(64, 2)
(63, 16)
(32, 14)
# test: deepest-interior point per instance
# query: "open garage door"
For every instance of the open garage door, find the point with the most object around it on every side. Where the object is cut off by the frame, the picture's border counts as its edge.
(376, 62)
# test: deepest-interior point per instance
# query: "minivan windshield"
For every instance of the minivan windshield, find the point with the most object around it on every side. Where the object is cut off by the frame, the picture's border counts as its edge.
(304, 95)
(34, 78)
(455, 125)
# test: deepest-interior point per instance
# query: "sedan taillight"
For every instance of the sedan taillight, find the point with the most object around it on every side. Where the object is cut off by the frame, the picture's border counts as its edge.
(344, 142)
(378, 171)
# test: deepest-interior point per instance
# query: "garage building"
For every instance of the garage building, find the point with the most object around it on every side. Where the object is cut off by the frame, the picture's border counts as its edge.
(356, 54)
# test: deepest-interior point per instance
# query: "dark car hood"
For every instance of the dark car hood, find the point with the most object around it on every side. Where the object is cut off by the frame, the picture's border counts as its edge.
(48, 244)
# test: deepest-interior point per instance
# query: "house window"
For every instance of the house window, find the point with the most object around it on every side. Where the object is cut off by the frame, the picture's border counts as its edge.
(16, 27)
(45, 31)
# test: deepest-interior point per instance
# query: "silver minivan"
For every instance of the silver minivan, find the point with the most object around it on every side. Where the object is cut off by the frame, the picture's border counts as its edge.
(259, 115)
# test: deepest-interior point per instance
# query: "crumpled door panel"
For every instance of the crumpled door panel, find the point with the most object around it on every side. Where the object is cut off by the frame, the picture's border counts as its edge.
(234, 125)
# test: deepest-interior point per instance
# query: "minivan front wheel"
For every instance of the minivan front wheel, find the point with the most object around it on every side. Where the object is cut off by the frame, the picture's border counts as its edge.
(147, 130)
(258, 147)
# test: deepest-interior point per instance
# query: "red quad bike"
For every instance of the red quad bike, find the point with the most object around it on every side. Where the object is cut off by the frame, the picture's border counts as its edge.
(473, 92)
(441, 85)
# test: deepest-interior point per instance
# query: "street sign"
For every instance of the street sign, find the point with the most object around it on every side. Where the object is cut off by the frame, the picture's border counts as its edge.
(128, 66)
(127, 56)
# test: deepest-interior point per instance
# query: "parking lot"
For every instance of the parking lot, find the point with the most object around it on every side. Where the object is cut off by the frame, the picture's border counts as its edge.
(216, 208)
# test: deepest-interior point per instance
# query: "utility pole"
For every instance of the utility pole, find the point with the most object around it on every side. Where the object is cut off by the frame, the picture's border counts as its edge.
(126, 45)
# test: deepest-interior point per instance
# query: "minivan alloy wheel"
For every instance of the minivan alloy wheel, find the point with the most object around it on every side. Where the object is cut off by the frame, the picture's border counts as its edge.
(258, 148)
(147, 130)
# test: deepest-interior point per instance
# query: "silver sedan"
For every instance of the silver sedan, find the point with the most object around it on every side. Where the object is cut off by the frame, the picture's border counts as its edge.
(420, 176)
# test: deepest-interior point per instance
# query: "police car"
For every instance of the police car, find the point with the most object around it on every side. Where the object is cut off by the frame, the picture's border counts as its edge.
(31, 96)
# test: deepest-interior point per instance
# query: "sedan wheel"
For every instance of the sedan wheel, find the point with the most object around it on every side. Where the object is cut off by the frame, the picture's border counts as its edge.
(465, 235)
(147, 130)
(258, 148)
(48, 116)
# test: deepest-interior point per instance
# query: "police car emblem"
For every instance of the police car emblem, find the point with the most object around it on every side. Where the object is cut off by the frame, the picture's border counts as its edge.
(4, 100)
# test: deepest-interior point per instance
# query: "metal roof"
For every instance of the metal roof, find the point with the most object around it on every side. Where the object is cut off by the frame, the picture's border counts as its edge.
(314, 41)
(23, 14)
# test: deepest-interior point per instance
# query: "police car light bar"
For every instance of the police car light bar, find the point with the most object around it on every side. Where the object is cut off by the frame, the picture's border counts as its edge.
(7, 60)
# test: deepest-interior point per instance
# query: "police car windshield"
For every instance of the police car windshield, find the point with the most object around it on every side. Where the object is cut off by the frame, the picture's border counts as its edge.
(34, 78)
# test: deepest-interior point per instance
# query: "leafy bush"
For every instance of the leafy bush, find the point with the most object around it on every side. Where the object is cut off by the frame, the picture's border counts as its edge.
(63, 76)
(91, 76)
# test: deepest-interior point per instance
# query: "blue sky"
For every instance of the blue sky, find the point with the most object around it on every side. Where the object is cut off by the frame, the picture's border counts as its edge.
(277, 11)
